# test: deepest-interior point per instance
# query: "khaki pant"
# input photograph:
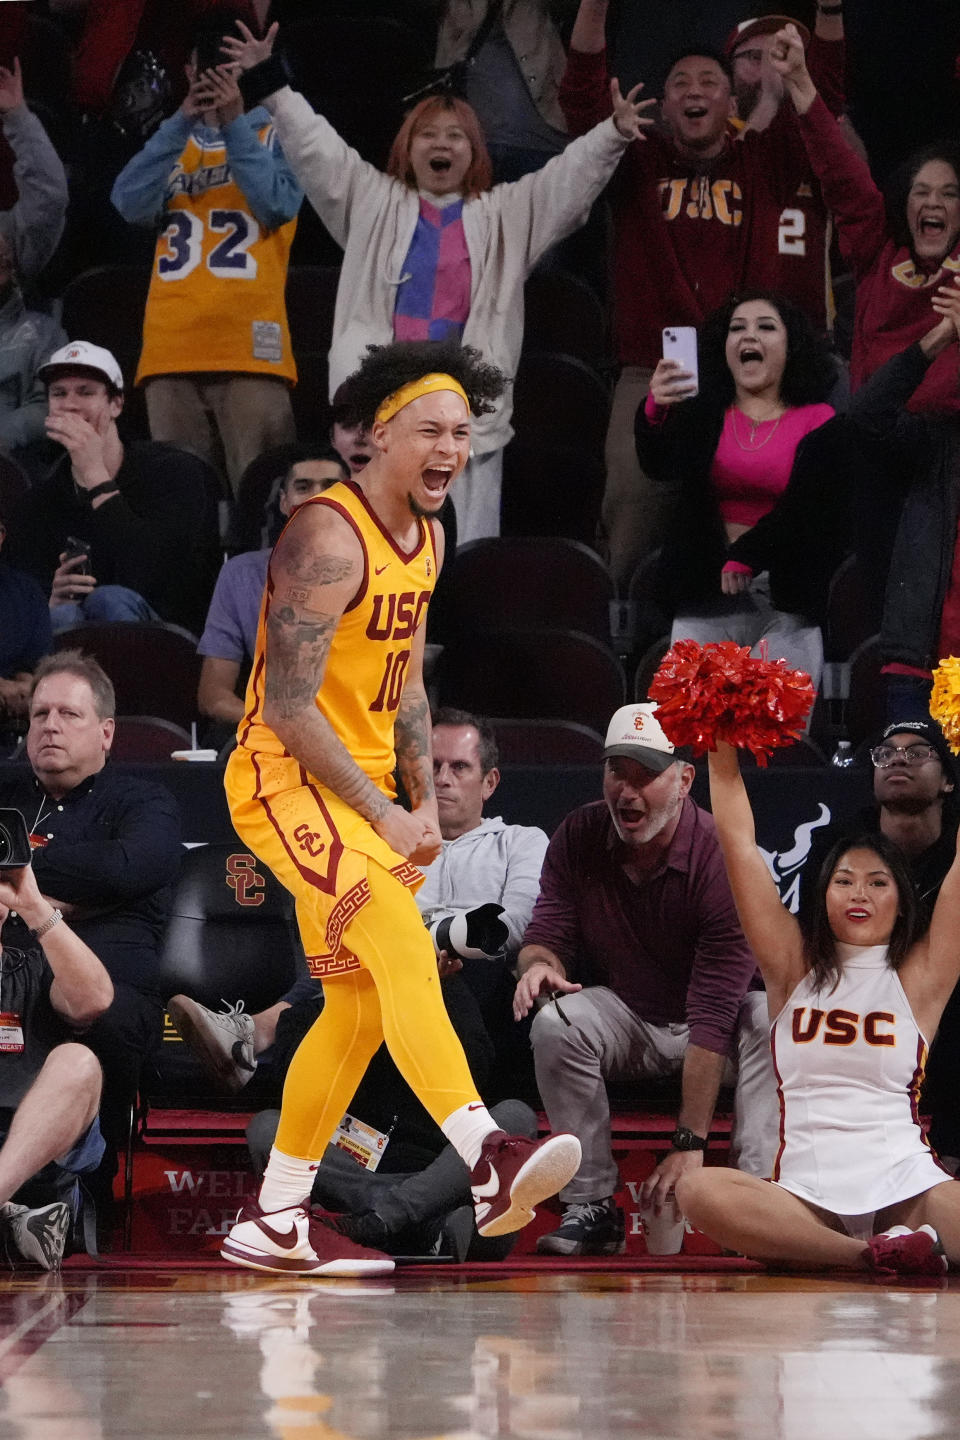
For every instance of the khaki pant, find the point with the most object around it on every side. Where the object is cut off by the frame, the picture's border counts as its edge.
(251, 413)
(596, 1037)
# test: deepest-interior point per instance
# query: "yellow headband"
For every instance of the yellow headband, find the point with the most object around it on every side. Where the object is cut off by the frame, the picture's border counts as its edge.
(426, 385)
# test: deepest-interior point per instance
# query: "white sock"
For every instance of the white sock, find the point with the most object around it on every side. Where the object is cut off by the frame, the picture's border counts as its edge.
(466, 1129)
(287, 1181)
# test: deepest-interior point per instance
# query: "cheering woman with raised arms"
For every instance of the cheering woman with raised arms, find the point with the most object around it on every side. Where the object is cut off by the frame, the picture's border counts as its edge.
(854, 1007)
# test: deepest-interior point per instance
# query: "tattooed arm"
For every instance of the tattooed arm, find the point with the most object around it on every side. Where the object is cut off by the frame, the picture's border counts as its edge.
(316, 568)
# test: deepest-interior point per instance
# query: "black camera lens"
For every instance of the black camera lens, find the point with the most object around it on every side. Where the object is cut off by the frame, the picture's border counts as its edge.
(14, 840)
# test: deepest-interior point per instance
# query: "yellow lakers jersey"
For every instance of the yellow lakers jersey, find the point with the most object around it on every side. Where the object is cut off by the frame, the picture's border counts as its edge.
(370, 653)
(216, 298)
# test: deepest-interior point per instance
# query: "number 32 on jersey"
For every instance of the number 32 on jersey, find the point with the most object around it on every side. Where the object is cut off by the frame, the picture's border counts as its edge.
(233, 231)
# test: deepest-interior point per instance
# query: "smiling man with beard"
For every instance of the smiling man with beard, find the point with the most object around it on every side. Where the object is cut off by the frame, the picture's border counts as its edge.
(636, 942)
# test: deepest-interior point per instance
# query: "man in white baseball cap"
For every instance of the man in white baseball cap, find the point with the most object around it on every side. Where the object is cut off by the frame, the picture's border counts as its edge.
(116, 530)
(635, 940)
(83, 357)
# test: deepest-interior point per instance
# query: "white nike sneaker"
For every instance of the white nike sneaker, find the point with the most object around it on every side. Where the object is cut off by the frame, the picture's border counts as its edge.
(514, 1174)
(294, 1242)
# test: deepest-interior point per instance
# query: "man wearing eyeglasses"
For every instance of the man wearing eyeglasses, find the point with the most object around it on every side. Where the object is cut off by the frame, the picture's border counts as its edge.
(918, 808)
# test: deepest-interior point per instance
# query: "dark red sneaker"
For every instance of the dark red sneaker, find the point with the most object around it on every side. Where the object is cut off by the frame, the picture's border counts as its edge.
(514, 1174)
(900, 1251)
(293, 1242)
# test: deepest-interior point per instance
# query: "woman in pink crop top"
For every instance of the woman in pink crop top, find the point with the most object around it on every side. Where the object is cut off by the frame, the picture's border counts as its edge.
(761, 520)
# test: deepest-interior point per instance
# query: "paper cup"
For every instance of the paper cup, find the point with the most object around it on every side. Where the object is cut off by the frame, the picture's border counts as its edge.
(663, 1233)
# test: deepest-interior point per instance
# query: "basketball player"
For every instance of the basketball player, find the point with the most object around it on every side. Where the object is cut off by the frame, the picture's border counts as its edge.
(336, 698)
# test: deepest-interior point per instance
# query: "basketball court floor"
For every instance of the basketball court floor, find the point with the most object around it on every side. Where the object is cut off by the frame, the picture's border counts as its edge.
(560, 1354)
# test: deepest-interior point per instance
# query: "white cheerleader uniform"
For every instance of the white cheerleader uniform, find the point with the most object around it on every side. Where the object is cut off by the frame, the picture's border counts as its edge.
(849, 1063)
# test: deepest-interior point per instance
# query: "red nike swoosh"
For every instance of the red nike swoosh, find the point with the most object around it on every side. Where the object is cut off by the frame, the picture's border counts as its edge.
(286, 1242)
(379, 569)
(475, 1107)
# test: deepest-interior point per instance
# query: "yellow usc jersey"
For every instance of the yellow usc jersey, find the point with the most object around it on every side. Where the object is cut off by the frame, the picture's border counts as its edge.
(367, 665)
(216, 300)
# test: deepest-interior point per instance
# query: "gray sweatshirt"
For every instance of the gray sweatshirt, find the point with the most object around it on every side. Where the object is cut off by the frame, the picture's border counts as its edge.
(494, 863)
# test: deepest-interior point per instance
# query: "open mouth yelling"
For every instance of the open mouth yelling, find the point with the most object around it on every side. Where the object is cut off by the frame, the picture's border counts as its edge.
(931, 227)
(750, 355)
(440, 164)
(436, 479)
(695, 112)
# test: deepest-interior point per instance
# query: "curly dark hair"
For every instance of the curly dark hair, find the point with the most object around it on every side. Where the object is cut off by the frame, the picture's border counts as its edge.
(820, 943)
(810, 371)
(387, 367)
(898, 185)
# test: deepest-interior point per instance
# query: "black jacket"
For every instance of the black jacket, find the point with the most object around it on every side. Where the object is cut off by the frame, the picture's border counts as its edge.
(923, 476)
(800, 542)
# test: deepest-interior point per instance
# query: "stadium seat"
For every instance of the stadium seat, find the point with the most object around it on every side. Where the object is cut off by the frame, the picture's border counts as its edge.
(559, 400)
(144, 739)
(520, 581)
(231, 933)
(533, 674)
(547, 742)
(648, 665)
(154, 667)
(106, 306)
(562, 313)
(551, 489)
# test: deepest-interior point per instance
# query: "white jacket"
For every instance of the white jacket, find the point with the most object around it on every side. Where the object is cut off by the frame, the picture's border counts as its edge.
(495, 863)
(373, 217)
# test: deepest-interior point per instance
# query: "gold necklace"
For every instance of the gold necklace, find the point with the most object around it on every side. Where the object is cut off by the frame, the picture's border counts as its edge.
(752, 444)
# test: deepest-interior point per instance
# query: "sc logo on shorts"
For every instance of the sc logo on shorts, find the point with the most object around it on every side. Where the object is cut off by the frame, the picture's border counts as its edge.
(309, 840)
(244, 880)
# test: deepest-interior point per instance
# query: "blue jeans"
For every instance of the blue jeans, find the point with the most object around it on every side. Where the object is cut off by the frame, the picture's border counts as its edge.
(106, 602)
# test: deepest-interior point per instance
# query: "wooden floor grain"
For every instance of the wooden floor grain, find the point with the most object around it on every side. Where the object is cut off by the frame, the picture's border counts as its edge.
(236, 1356)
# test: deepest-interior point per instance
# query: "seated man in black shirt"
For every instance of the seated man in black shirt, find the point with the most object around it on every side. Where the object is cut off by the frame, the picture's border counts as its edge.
(49, 1085)
(145, 511)
(106, 851)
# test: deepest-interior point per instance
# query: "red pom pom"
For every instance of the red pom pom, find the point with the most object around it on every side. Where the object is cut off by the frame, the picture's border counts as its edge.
(718, 691)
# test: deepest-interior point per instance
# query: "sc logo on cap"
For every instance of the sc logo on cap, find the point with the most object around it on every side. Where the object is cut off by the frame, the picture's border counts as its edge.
(638, 722)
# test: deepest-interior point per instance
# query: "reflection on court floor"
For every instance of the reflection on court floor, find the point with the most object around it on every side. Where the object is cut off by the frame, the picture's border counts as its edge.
(561, 1357)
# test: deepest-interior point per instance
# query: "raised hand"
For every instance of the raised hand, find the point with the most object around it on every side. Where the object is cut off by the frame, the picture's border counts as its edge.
(11, 88)
(946, 302)
(670, 383)
(218, 90)
(787, 55)
(628, 111)
(246, 50)
(68, 585)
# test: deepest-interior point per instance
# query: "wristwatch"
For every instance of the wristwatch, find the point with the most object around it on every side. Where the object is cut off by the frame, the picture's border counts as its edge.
(684, 1139)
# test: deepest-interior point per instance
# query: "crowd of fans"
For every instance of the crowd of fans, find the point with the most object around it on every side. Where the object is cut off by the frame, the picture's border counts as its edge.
(734, 197)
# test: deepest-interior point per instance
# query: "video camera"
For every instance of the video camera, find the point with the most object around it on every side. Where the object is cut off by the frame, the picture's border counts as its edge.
(477, 934)
(14, 841)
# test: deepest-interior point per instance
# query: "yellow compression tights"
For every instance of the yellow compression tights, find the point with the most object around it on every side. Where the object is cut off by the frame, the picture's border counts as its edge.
(395, 997)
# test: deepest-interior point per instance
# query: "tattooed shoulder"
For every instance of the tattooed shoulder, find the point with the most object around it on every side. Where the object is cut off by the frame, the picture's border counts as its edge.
(308, 565)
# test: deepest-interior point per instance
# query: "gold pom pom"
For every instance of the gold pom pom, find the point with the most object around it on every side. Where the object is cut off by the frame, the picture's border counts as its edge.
(945, 700)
